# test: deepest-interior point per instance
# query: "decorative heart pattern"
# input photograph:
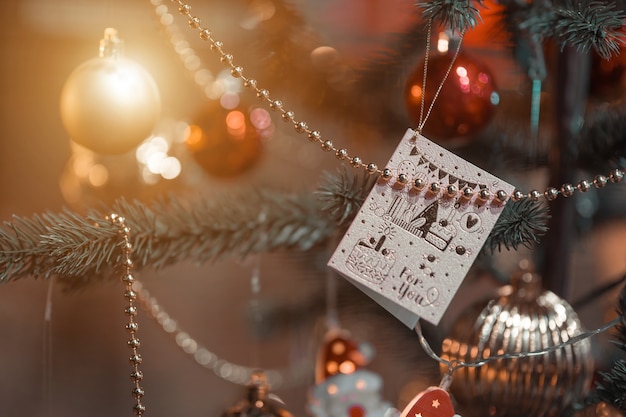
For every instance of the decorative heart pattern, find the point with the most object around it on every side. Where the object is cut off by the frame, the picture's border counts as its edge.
(471, 221)
(433, 402)
(399, 224)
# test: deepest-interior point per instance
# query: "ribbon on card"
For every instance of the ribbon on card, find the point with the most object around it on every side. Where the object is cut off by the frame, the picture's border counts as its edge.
(410, 250)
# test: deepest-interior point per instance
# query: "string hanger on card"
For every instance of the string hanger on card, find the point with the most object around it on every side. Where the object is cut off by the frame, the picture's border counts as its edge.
(423, 118)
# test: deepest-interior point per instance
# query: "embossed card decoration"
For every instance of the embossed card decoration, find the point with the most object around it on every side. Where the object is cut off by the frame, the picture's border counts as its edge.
(414, 247)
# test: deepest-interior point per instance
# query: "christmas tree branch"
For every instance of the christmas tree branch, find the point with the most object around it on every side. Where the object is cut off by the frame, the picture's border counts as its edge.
(80, 249)
(521, 223)
(342, 196)
(603, 137)
(459, 15)
(590, 25)
(585, 24)
(612, 388)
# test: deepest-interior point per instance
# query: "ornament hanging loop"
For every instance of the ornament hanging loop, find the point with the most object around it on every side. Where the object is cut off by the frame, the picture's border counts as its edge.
(446, 381)
(111, 46)
(424, 117)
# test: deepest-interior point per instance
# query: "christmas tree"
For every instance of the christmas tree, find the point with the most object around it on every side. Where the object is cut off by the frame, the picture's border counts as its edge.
(277, 119)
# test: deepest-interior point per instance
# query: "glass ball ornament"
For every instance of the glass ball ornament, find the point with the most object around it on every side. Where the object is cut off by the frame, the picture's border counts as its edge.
(110, 104)
(465, 104)
(227, 142)
(523, 318)
(259, 401)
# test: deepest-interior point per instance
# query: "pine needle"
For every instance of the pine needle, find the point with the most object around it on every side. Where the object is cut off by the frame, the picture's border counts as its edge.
(458, 15)
(342, 196)
(590, 25)
(521, 223)
(81, 249)
(603, 137)
(585, 25)
(612, 389)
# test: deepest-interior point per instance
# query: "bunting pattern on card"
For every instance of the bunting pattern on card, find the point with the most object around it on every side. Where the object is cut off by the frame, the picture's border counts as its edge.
(414, 248)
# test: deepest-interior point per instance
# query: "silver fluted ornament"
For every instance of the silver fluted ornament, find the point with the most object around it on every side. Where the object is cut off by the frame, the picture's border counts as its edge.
(523, 318)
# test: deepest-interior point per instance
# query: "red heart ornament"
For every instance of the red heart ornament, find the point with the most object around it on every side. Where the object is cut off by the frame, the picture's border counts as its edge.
(433, 402)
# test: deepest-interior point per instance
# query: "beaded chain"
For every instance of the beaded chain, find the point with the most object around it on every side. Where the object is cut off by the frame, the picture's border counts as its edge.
(222, 368)
(132, 326)
(551, 193)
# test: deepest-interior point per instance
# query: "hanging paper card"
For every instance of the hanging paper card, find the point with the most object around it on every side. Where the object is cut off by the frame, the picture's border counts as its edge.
(413, 247)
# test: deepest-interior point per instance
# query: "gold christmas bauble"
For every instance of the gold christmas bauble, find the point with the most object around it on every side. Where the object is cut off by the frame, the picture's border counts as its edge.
(110, 104)
(226, 142)
(523, 318)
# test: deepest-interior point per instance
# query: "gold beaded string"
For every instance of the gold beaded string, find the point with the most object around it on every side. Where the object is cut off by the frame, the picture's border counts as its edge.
(136, 376)
(551, 193)
(222, 368)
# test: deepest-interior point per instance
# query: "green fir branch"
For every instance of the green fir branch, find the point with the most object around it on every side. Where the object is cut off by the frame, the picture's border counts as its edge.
(342, 196)
(585, 25)
(621, 327)
(602, 139)
(521, 223)
(590, 25)
(81, 249)
(459, 15)
(612, 388)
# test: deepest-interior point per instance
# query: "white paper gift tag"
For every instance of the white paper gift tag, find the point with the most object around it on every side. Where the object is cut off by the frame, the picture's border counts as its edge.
(412, 249)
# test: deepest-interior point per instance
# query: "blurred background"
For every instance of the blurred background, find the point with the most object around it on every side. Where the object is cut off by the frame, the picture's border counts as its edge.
(342, 66)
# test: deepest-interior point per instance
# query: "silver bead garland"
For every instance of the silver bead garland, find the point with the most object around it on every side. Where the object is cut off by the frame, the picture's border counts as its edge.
(222, 368)
(128, 279)
(301, 127)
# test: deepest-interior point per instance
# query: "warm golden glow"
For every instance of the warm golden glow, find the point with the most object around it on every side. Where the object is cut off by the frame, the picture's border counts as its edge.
(416, 91)
(347, 367)
(110, 105)
(338, 347)
(153, 154)
(193, 136)
(332, 389)
(170, 168)
(98, 175)
(361, 384)
(443, 43)
(236, 124)
(332, 367)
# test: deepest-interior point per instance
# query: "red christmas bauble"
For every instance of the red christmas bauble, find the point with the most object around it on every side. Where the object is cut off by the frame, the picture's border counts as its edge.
(465, 104)
(227, 142)
(608, 77)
